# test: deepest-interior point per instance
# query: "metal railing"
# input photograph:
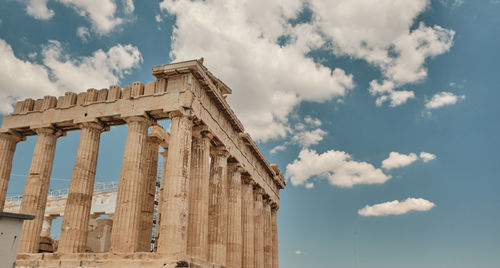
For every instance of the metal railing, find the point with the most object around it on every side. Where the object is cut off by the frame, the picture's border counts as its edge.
(99, 187)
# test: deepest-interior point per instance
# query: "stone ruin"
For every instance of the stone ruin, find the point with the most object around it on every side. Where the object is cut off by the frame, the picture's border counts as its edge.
(217, 199)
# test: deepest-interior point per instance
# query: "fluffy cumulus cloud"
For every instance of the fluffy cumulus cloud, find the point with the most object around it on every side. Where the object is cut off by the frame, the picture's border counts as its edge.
(265, 52)
(336, 166)
(397, 160)
(38, 9)
(443, 99)
(102, 14)
(396, 207)
(59, 72)
(308, 138)
(238, 40)
(426, 157)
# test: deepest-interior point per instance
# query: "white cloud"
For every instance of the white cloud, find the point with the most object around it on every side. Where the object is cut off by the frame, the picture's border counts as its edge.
(308, 138)
(269, 80)
(38, 9)
(83, 33)
(443, 99)
(312, 121)
(396, 160)
(309, 185)
(102, 14)
(277, 148)
(396, 207)
(335, 166)
(102, 68)
(426, 157)
(298, 252)
(60, 72)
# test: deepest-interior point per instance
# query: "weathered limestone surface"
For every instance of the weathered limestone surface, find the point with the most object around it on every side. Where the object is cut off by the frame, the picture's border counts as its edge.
(268, 235)
(174, 187)
(125, 234)
(259, 229)
(8, 144)
(234, 224)
(46, 226)
(198, 194)
(217, 211)
(247, 218)
(274, 221)
(76, 214)
(36, 189)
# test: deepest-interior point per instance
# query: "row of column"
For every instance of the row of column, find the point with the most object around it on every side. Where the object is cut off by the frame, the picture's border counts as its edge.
(212, 212)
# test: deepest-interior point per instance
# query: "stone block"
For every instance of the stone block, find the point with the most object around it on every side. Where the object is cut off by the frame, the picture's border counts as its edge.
(38, 105)
(28, 105)
(49, 102)
(91, 95)
(150, 88)
(137, 89)
(102, 94)
(115, 93)
(69, 99)
(161, 85)
(127, 92)
(81, 98)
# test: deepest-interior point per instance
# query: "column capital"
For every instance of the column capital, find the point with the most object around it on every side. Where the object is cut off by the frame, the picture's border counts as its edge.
(12, 135)
(274, 206)
(258, 190)
(50, 130)
(201, 131)
(219, 151)
(185, 112)
(247, 179)
(93, 125)
(235, 166)
(140, 119)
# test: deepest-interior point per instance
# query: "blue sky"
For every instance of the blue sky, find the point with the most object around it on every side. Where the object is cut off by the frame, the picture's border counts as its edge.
(343, 95)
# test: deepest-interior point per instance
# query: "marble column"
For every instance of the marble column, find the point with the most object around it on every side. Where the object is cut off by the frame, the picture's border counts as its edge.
(47, 226)
(274, 222)
(148, 204)
(37, 188)
(125, 233)
(175, 189)
(258, 227)
(268, 236)
(247, 218)
(75, 223)
(198, 194)
(8, 142)
(234, 224)
(217, 212)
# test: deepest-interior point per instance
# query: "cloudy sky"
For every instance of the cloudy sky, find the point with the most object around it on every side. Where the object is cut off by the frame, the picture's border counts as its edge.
(383, 114)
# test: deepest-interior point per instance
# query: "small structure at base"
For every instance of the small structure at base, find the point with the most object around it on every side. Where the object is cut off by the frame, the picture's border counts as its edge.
(10, 231)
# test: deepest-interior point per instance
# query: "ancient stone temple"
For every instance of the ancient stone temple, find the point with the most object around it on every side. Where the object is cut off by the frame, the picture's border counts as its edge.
(216, 203)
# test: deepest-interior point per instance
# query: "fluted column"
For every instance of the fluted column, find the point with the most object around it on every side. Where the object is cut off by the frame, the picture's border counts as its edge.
(268, 236)
(75, 223)
(37, 188)
(8, 142)
(175, 187)
(217, 216)
(259, 228)
(247, 218)
(234, 224)
(274, 222)
(148, 204)
(198, 194)
(125, 233)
